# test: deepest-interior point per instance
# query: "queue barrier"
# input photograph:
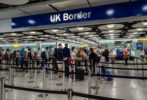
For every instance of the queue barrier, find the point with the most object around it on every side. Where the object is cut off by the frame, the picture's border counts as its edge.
(89, 74)
(69, 92)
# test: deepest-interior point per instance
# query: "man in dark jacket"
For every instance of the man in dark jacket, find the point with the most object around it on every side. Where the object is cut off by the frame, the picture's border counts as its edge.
(66, 55)
(59, 58)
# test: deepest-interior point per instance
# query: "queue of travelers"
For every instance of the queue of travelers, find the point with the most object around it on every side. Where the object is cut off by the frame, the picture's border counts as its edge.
(74, 57)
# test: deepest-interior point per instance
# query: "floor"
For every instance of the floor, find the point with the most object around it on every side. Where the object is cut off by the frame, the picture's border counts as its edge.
(127, 89)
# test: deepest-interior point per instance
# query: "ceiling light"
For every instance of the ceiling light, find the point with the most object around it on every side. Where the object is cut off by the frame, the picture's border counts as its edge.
(13, 24)
(111, 34)
(30, 21)
(110, 25)
(13, 34)
(111, 31)
(29, 36)
(139, 29)
(80, 28)
(55, 30)
(32, 32)
(46, 35)
(110, 12)
(134, 33)
(144, 8)
(86, 32)
(144, 23)
(131, 35)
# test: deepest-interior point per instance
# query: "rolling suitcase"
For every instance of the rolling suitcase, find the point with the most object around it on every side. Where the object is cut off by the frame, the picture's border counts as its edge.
(79, 74)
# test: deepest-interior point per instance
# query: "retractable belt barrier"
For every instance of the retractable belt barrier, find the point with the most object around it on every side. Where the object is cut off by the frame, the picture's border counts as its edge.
(61, 92)
(115, 76)
(123, 68)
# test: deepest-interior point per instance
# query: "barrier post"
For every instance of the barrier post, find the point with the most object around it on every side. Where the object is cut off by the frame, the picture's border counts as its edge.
(51, 67)
(44, 81)
(96, 85)
(137, 66)
(89, 82)
(142, 70)
(63, 80)
(10, 76)
(2, 89)
(35, 79)
(74, 71)
(69, 94)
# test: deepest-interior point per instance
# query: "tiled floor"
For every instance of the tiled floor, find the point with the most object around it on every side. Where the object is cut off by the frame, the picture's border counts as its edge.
(128, 89)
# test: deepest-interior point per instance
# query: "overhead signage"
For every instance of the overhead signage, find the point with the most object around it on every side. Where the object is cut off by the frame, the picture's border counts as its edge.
(121, 10)
(139, 45)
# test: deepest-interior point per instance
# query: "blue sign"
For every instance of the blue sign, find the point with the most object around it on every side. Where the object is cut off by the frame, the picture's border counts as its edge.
(139, 45)
(121, 10)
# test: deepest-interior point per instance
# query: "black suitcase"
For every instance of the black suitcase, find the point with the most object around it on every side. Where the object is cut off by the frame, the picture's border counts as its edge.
(79, 74)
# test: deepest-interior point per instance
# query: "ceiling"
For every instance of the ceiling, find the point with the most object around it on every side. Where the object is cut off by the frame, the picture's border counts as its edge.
(81, 34)
(89, 34)
(42, 6)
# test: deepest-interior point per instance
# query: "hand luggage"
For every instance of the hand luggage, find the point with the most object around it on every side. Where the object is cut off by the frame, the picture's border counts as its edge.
(79, 74)
(109, 75)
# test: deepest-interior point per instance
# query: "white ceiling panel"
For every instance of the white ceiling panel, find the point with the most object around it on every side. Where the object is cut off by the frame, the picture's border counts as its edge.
(38, 9)
(71, 4)
(105, 2)
(10, 13)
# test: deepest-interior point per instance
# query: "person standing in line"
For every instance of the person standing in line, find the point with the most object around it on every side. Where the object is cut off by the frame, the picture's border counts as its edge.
(1, 57)
(73, 60)
(46, 56)
(22, 53)
(59, 59)
(126, 55)
(142, 54)
(145, 55)
(106, 54)
(66, 55)
(8, 56)
(93, 58)
(17, 58)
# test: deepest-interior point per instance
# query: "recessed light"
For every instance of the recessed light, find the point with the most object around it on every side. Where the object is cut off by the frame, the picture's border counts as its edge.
(32, 32)
(134, 33)
(139, 29)
(55, 30)
(30, 21)
(111, 34)
(29, 36)
(80, 28)
(111, 31)
(86, 32)
(144, 23)
(131, 35)
(110, 12)
(46, 35)
(13, 34)
(110, 25)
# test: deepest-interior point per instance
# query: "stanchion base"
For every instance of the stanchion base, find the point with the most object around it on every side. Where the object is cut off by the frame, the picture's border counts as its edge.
(30, 81)
(41, 95)
(36, 87)
(94, 87)
(59, 84)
